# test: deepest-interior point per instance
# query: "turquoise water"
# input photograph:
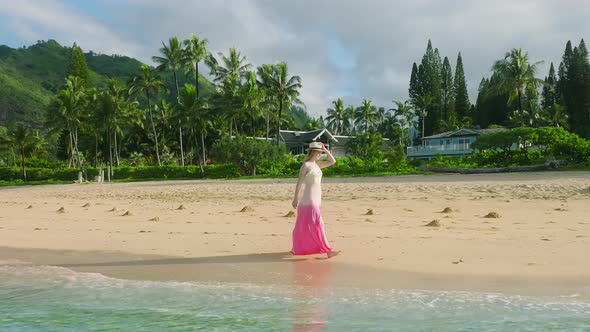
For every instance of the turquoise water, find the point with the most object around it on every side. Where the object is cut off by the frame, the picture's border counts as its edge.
(44, 298)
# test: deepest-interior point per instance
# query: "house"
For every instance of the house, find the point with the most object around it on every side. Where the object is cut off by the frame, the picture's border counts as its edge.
(450, 143)
(298, 141)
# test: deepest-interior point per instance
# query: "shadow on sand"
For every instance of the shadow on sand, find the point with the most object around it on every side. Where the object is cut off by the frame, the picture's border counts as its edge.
(272, 257)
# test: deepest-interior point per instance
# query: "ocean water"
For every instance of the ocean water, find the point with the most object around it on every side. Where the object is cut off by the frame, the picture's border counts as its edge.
(46, 298)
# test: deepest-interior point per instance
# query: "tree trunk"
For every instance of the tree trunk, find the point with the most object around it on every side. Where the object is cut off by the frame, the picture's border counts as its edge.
(197, 154)
(197, 78)
(117, 161)
(423, 119)
(153, 129)
(181, 148)
(180, 127)
(23, 163)
(267, 124)
(95, 150)
(110, 155)
(203, 147)
(71, 163)
(279, 120)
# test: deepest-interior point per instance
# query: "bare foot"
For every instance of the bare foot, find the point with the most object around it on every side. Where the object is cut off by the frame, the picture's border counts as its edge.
(332, 254)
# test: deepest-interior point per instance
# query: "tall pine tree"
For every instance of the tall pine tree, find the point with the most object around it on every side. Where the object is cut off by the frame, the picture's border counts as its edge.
(462, 104)
(550, 90)
(415, 89)
(77, 65)
(574, 86)
(447, 90)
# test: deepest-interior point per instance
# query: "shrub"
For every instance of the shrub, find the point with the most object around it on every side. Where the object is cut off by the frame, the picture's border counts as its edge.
(246, 153)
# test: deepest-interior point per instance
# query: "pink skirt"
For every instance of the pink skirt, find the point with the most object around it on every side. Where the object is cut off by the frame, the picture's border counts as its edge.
(308, 235)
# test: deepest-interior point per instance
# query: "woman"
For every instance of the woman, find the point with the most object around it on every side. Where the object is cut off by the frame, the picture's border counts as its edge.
(308, 235)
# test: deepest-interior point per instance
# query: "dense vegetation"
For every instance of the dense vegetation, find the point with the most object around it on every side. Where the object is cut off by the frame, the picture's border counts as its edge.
(63, 108)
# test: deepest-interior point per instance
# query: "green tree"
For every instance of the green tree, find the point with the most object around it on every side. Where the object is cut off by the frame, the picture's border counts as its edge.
(574, 87)
(25, 141)
(66, 113)
(112, 111)
(517, 77)
(234, 65)
(404, 113)
(366, 114)
(245, 152)
(461, 97)
(253, 100)
(336, 117)
(415, 89)
(172, 56)
(550, 90)
(276, 81)
(557, 116)
(421, 104)
(366, 146)
(195, 51)
(447, 89)
(150, 84)
(77, 65)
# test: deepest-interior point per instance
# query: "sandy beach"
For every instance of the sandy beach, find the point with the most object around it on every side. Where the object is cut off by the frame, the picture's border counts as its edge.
(501, 231)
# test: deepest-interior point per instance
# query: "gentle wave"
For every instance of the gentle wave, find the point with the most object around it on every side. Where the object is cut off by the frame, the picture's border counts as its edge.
(50, 298)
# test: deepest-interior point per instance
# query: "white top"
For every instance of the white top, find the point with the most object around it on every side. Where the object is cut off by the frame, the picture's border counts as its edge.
(312, 195)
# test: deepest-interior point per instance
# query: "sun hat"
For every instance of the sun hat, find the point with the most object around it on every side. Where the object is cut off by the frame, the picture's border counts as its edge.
(315, 146)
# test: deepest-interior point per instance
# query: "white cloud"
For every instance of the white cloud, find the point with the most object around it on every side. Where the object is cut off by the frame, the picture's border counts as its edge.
(383, 37)
(44, 19)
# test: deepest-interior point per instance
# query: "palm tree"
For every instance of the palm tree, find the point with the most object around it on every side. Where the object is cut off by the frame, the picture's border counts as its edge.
(348, 122)
(172, 59)
(516, 75)
(150, 84)
(25, 141)
(336, 116)
(405, 117)
(253, 99)
(113, 110)
(66, 113)
(557, 115)
(187, 104)
(275, 79)
(233, 65)
(421, 104)
(195, 51)
(366, 113)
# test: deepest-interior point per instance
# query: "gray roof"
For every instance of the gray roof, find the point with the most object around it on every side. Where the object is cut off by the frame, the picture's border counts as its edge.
(463, 132)
(290, 136)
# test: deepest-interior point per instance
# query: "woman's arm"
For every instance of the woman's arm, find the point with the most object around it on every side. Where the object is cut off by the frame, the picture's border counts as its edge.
(302, 172)
(331, 160)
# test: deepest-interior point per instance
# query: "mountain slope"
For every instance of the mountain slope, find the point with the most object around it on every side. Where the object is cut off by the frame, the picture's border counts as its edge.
(30, 76)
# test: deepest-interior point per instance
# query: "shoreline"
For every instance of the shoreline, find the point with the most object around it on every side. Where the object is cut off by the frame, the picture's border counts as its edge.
(278, 269)
(539, 234)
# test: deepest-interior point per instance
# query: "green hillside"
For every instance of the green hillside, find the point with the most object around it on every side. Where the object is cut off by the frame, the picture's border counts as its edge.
(30, 76)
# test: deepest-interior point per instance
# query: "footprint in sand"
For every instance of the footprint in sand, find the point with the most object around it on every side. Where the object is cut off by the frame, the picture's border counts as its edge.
(61, 210)
(458, 261)
(127, 213)
(29, 207)
(289, 214)
(155, 219)
(370, 212)
(181, 207)
(114, 209)
(86, 205)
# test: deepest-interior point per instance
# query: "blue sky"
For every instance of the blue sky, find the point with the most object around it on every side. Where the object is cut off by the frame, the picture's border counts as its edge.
(341, 48)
